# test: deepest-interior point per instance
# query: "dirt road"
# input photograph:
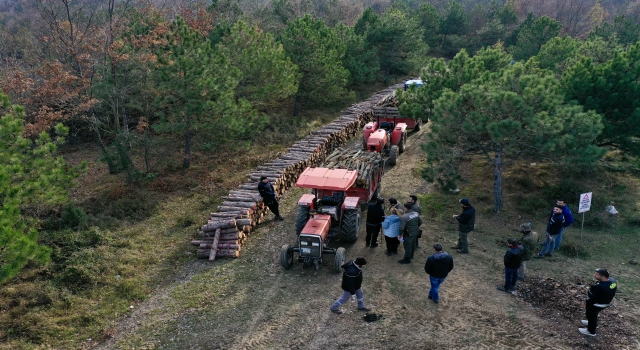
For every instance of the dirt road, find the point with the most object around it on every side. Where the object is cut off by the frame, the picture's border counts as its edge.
(252, 303)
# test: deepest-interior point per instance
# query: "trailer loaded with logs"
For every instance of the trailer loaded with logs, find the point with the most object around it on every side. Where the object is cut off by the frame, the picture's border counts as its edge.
(243, 209)
(332, 210)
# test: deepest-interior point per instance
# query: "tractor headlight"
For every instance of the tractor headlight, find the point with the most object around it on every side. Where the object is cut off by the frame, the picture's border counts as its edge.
(304, 243)
(315, 244)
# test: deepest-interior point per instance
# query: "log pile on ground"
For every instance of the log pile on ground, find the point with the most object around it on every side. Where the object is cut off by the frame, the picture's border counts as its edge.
(366, 163)
(563, 303)
(242, 209)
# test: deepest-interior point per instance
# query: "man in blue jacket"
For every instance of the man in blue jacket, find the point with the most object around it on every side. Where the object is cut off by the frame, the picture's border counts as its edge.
(437, 267)
(556, 220)
(568, 220)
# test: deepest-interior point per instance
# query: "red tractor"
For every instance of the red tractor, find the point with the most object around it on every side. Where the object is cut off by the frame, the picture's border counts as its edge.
(387, 135)
(331, 211)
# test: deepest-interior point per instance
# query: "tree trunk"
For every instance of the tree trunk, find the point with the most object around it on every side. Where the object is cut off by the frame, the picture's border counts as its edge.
(187, 144)
(296, 107)
(497, 181)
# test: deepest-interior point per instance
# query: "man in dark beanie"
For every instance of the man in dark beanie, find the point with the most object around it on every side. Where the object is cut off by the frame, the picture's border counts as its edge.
(409, 227)
(375, 217)
(529, 242)
(437, 267)
(268, 195)
(512, 260)
(351, 285)
(466, 223)
(599, 297)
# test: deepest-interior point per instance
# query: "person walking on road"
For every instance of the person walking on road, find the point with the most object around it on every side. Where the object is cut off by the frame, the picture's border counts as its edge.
(391, 228)
(466, 223)
(568, 220)
(599, 297)
(269, 198)
(375, 217)
(512, 260)
(437, 266)
(556, 220)
(409, 223)
(529, 242)
(351, 285)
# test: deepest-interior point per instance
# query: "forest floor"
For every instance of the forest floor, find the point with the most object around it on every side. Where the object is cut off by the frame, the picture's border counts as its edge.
(253, 303)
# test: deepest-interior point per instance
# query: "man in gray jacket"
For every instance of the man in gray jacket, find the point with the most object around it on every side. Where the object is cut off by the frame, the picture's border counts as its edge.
(466, 222)
(409, 223)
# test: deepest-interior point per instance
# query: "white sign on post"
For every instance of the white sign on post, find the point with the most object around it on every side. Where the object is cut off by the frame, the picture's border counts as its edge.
(585, 202)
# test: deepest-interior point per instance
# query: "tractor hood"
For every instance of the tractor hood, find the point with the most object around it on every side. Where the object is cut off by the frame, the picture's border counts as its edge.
(327, 179)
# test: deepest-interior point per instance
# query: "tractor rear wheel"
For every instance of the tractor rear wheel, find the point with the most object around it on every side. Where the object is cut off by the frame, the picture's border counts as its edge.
(403, 142)
(301, 219)
(338, 261)
(286, 256)
(393, 155)
(418, 125)
(351, 225)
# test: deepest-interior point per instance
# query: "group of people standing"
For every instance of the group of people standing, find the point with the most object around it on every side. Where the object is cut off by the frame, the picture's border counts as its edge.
(599, 295)
(402, 225)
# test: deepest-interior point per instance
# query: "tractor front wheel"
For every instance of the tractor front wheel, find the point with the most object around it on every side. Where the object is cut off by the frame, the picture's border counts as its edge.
(301, 219)
(393, 155)
(286, 256)
(351, 225)
(338, 261)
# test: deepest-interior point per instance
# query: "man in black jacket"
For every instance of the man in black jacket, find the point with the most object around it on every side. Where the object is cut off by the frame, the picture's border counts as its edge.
(466, 224)
(268, 195)
(351, 284)
(375, 217)
(437, 267)
(512, 261)
(554, 227)
(599, 296)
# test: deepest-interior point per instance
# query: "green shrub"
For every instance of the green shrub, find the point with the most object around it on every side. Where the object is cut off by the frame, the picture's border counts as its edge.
(528, 203)
(73, 217)
(132, 208)
(564, 188)
(83, 270)
(574, 250)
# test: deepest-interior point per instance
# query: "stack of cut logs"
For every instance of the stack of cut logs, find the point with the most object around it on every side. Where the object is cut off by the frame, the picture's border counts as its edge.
(242, 209)
(366, 163)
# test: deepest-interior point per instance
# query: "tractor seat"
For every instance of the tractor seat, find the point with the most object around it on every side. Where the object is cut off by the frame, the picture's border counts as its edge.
(330, 200)
(386, 126)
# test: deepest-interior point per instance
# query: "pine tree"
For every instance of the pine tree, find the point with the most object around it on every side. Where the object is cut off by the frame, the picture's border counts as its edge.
(268, 75)
(196, 85)
(532, 35)
(399, 42)
(30, 175)
(318, 53)
(612, 90)
(503, 112)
